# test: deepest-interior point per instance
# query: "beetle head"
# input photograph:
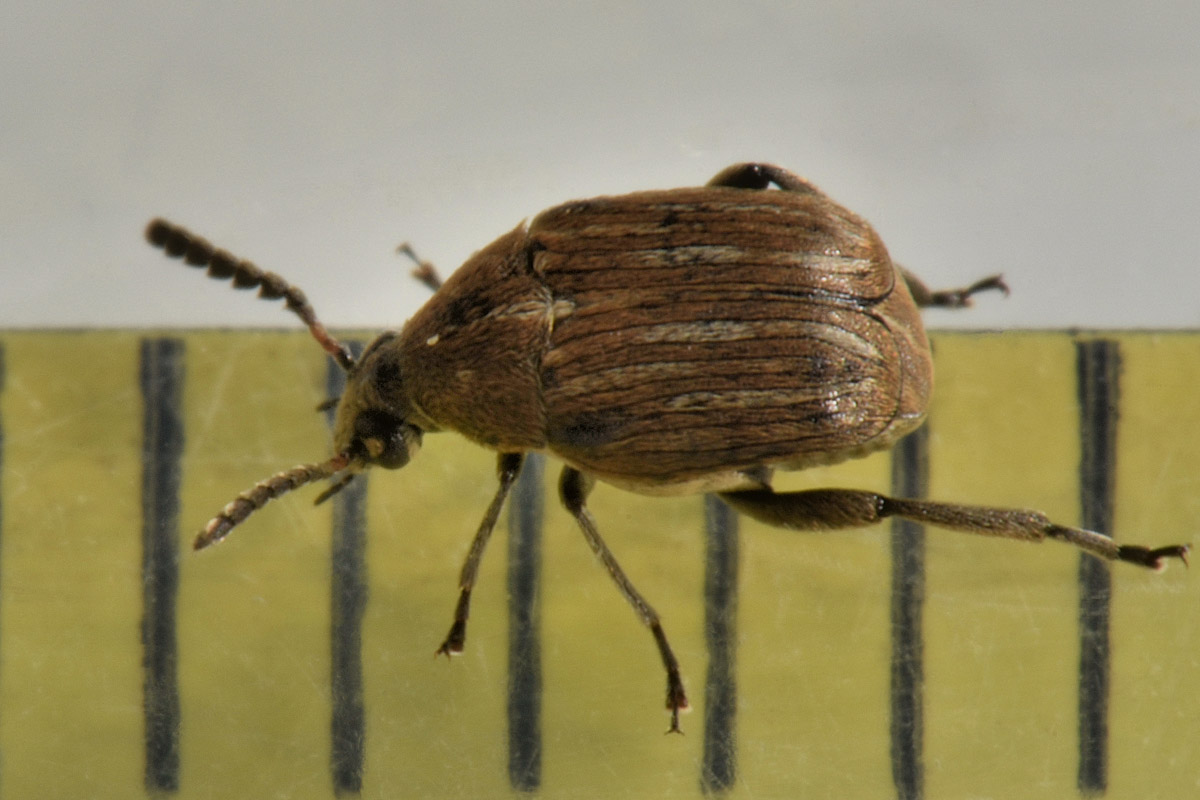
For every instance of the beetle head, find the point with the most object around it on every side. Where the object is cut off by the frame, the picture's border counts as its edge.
(374, 416)
(372, 427)
(374, 424)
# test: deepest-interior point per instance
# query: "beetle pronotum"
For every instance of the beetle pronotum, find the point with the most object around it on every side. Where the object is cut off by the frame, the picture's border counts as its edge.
(666, 342)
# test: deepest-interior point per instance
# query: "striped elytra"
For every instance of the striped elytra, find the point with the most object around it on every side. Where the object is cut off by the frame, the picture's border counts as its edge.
(679, 340)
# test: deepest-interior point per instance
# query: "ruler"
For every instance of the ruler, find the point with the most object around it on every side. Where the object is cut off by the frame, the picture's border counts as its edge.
(297, 658)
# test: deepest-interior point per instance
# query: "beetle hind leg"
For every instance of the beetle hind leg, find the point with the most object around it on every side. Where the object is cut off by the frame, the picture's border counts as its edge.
(508, 468)
(761, 176)
(834, 509)
(574, 488)
(925, 297)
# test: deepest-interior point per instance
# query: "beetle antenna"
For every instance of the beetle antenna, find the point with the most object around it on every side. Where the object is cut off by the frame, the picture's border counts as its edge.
(195, 251)
(265, 491)
(425, 271)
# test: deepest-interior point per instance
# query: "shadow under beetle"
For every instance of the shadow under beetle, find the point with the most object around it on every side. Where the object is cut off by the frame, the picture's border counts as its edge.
(666, 342)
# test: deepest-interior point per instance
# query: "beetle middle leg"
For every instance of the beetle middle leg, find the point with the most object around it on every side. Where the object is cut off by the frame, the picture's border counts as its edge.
(574, 488)
(832, 509)
(508, 467)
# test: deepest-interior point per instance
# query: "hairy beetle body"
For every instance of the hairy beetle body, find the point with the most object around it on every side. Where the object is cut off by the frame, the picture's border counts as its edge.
(666, 342)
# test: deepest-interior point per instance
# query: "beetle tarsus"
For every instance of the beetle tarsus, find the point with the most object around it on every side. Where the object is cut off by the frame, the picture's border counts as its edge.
(676, 699)
(961, 298)
(457, 637)
(1154, 558)
(455, 640)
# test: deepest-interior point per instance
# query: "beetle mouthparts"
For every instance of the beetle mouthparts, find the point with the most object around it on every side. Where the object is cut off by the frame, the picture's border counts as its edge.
(341, 483)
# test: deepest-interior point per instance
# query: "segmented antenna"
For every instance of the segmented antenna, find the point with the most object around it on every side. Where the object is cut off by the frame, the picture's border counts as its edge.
(198, 252)
(264, 492)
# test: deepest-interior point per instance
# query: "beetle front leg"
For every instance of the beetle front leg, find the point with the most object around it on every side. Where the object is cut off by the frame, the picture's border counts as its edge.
(833, 509)
(574, 488)
(424, 271)
(508, 467)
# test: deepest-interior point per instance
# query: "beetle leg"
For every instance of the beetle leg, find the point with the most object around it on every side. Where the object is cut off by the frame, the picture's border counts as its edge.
(574, 488)
(831, 509)
(924, 297)
(424, 271)
(508, 467)
(760, 176)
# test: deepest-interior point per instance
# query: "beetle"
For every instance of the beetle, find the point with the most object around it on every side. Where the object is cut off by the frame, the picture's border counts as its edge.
(665, 342)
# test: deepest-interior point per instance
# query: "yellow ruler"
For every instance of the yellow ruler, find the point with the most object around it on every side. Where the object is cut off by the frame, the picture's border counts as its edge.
(296, 660)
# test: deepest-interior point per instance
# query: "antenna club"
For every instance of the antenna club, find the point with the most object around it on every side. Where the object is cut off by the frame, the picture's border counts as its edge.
(196, 251)
(263, 492)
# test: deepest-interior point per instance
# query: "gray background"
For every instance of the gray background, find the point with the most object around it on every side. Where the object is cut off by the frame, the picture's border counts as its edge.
(1058, 143)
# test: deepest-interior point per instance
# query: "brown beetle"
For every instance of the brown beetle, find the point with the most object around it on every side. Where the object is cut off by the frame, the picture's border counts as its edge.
(667, 342)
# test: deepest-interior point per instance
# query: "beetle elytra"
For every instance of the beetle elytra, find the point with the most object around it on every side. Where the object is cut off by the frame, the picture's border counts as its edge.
(666, 342)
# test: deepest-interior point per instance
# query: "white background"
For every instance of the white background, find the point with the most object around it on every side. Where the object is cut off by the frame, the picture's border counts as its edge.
(1058, 143)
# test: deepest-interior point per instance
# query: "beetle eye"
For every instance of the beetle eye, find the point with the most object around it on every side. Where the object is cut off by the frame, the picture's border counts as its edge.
(384, 440)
